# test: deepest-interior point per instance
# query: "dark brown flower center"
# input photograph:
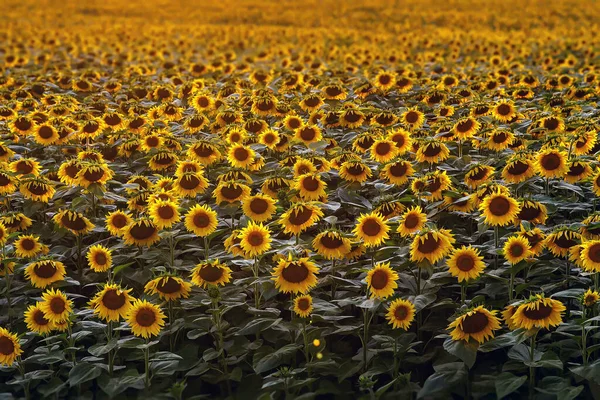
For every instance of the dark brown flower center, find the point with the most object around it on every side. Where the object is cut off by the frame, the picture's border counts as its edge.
(383, 149)
(529, 212)
(429, 245)
(259, 206)
(432, 150)
(379, 279)
(44, 269)
(100, 258)
(295, 272)
(411, 221)
(57, 305)
(518, 168)
(504, 109)
(141, 231)
(371, 227)
(210, 273)
(542, 312)
(499, 137)
(145, 317)
(465, 262)
(45, 132)
(300, 216)
(231, 192)
(201, 220)
(474, 323)
(398, 170)
(113, 300)
(400, 313)
(594, 253)
(28, 244)
(169, 286)
(499, 206)
(411, 117)
(550, 162)
(256, 239)
(7, 347)
(39, 319)
(241, 154)
(189, 182)
(331, 241)
(308, 133)
(119, 221)
(73, 222)
(166, 212)
(310, 184)
(303, 304)
(465, 126)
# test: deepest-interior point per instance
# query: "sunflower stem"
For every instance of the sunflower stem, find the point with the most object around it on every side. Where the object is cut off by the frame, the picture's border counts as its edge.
(71, 342)
(568, 270)
(220, 342)
(306, 353)
(21, 369)
(547, 186)
(172, 251)
(147, 364)
(111, 359)
(463, 292)
(205, 248)
(332, 280)
(256, 285)
(496, 244)
(79, 265)
(170, 311)
(584, 344)
(596, 281)
(511, 284)
(396, 364)
(532, 368)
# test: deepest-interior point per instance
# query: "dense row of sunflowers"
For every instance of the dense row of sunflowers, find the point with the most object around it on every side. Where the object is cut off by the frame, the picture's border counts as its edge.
(257, 211)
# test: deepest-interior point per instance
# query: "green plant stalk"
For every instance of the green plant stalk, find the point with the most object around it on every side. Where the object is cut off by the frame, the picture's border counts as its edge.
(511, 284)
(584, 345)
(332, 281)
(21, 369)
(170, 311)
(532, 368)
(220, 342)
(147, 364)
(568, 277)
(111, 359)
(71, 342)
(463, 292)
(205, 248)
(305, 350)
(396, 364)
(255, 269)
(79, 264)
(172, 252)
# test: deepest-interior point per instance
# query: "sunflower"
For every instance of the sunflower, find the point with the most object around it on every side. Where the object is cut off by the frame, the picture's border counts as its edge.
(8, 183)
(145, 319)
(402, 139)
(381, 281)
(6, 267)
(401, 314)
(230, 192)
(413, 220)
(504, 111)
(398, 172)
(538, 312)
(535, 238)
(518, 170)
(578, 171)
(112, 302)
(206, 153)
(201, 220)
(74, 222)
(211, 273)
(292, 122)
(499, 139)
(308, 134)
(45, 135)
(99, 258)
(431, 245)
(299, 217)
(164, 213)
(590, 255)
(295, 276)
(45, 272)
(259, 208)
(372, 229)
(255, 239)
(355, 171)
(303, 305)
(190, 184)
(56, 306)
(35, 320)
(516, 249)
(98, 173)
(432, 152)
(561, 240)
(532, 211)
(310, 187)
(168, 288)
(590, 298)
(412, 118)
(22, 125)
(26, 246)
(477, 323)
(552, 124)
(585, 142)
(15, 222)
(466, 128)
(37, 190)
(478, 174)
(465, 263)
(551, 163)
(499, 209)
(383, 150)
(117, 221)
(331, 245)
(10, 348)
(141, 232)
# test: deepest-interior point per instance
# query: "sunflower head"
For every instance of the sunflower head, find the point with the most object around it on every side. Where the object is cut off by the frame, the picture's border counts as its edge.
(168, 288)
(145, 319)
(538, 312)
(112, 302)
(10, 348)
(303, 305)
(465, 263)
(255, 239)
(372, 229)
(401, 314)
(476, 323)
(295, 275)
(56, 306)
(36, 321)
(381, 281)
(211, 272)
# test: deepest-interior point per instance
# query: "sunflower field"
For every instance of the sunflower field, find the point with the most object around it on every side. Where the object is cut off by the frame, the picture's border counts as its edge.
(326, 199)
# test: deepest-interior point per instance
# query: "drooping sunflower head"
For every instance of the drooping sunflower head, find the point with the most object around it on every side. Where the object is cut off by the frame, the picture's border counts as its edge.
(231, 192)
(499, 209)
(207, 153)
(518, 169)
(42, 273)
(145, 319)
(211, 272)
(73, 221)
(56, 306)
(561, 240)
(112, 302)
(431, 245)
(15, 222)
(465, 263)
(466, 128)
(10, 348)
(538, 312)
(397, 172)
(381, 281)
(141, 232)
(331, 245)
(310, 187)
(591, 226)
(37, 189)
(432, 152)
(295, 276)
(168, 288)
(355, 171)
(299, 217)
(93, 173)
(190, 184)
(401, 314)
(372, 229)
(477, 323)
(478, 174)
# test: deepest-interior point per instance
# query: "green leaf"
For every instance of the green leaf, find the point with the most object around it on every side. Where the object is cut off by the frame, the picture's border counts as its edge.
(102, 348)
(461, 349)
(275, 359)
(83, 372)
(507, 383)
